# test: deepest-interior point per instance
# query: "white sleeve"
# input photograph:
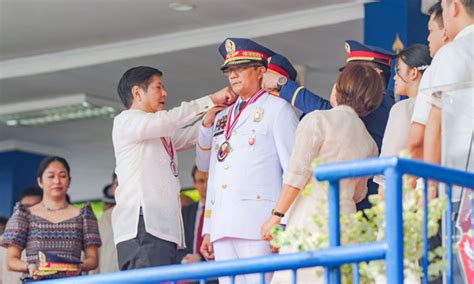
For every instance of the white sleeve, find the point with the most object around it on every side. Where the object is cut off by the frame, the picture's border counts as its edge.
(147, 126)
(422, 107)
(185, 138)
(206, 226)
(391, 144)
(284, 128)
(203, 148)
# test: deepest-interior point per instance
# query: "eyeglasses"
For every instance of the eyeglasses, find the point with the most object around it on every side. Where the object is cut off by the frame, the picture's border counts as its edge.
(237, 69)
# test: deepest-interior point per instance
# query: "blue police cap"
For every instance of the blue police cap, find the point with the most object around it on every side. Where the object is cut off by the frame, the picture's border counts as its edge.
(239, 51)
(282, 65)
(357, 51)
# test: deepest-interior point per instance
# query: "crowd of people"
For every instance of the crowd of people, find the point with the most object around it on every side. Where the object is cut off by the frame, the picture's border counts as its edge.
(255, 141)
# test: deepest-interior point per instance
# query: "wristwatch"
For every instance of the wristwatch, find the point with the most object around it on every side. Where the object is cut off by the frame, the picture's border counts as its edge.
(281, 82)
(276, 213)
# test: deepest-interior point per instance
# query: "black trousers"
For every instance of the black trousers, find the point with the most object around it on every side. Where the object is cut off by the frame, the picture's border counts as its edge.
(145, 250)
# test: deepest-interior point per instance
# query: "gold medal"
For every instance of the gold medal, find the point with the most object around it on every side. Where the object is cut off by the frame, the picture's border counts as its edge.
(223, 151)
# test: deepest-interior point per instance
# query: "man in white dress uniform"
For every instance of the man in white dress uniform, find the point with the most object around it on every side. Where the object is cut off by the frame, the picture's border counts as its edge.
(246, 149)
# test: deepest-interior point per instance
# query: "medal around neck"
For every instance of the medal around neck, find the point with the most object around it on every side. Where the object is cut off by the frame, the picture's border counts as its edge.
(223, 151)
(174, 168)
(225, 148)
(170, 151)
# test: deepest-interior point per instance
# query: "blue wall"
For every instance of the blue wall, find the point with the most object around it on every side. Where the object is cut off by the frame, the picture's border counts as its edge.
(17, 171)
(386, 19)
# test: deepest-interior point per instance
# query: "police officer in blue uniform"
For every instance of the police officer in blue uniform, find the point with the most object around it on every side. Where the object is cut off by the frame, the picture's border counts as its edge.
(307, 101)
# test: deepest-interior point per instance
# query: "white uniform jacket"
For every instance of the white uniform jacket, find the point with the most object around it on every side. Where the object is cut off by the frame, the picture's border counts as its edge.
(243, 189)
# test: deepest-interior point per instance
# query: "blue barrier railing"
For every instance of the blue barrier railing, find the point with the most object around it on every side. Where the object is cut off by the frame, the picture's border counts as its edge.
(390, 250)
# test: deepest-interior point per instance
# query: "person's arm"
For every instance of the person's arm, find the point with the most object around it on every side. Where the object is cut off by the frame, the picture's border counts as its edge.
(284, 129)
(14, 262)
(302, 98)
(298, 96)
(91, 239)
(141, 126)
(204, 140)
(415, 140)
(207, 249)
(186, 137)
(15, 239)
(309, 137)
(432, 137)
(91, 258)
(390, 137)
(203, 148)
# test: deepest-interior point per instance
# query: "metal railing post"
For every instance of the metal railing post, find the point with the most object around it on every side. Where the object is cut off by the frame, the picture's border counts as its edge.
(333, 274)
(426, 242)
(394, 225)
(449, 234)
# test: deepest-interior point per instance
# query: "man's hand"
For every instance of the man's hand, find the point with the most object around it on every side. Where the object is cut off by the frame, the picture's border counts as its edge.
(268, 226)
(207, 250)
(191, 258)
(224, 96)
(270, 80)
(208, 119)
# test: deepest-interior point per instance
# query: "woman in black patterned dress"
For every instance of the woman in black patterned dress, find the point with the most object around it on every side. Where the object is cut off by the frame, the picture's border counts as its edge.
(52, 226)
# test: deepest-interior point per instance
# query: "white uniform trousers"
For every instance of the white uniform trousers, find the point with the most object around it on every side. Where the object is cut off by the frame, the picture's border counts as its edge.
(234, 248)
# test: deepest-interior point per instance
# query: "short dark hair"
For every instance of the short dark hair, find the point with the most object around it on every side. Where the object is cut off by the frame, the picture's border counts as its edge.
(437, 12)
(31, 191)
(137, 76)
(360, 87)
(48, 160)
(416, 56)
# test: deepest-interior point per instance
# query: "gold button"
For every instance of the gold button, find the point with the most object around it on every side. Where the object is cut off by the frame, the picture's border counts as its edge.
(224, 186)
(258, 196)
(226, 167)
(234, 133)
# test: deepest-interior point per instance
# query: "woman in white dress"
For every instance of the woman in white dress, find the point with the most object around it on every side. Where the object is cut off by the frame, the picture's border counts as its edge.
(411, 63)
(333, 135)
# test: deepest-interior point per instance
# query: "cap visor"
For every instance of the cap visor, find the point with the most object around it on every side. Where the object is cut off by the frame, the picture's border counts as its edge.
(241, 63)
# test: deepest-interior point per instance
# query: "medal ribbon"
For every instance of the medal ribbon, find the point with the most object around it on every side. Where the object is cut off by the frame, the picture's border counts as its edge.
(231, 124)
(168, 147)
